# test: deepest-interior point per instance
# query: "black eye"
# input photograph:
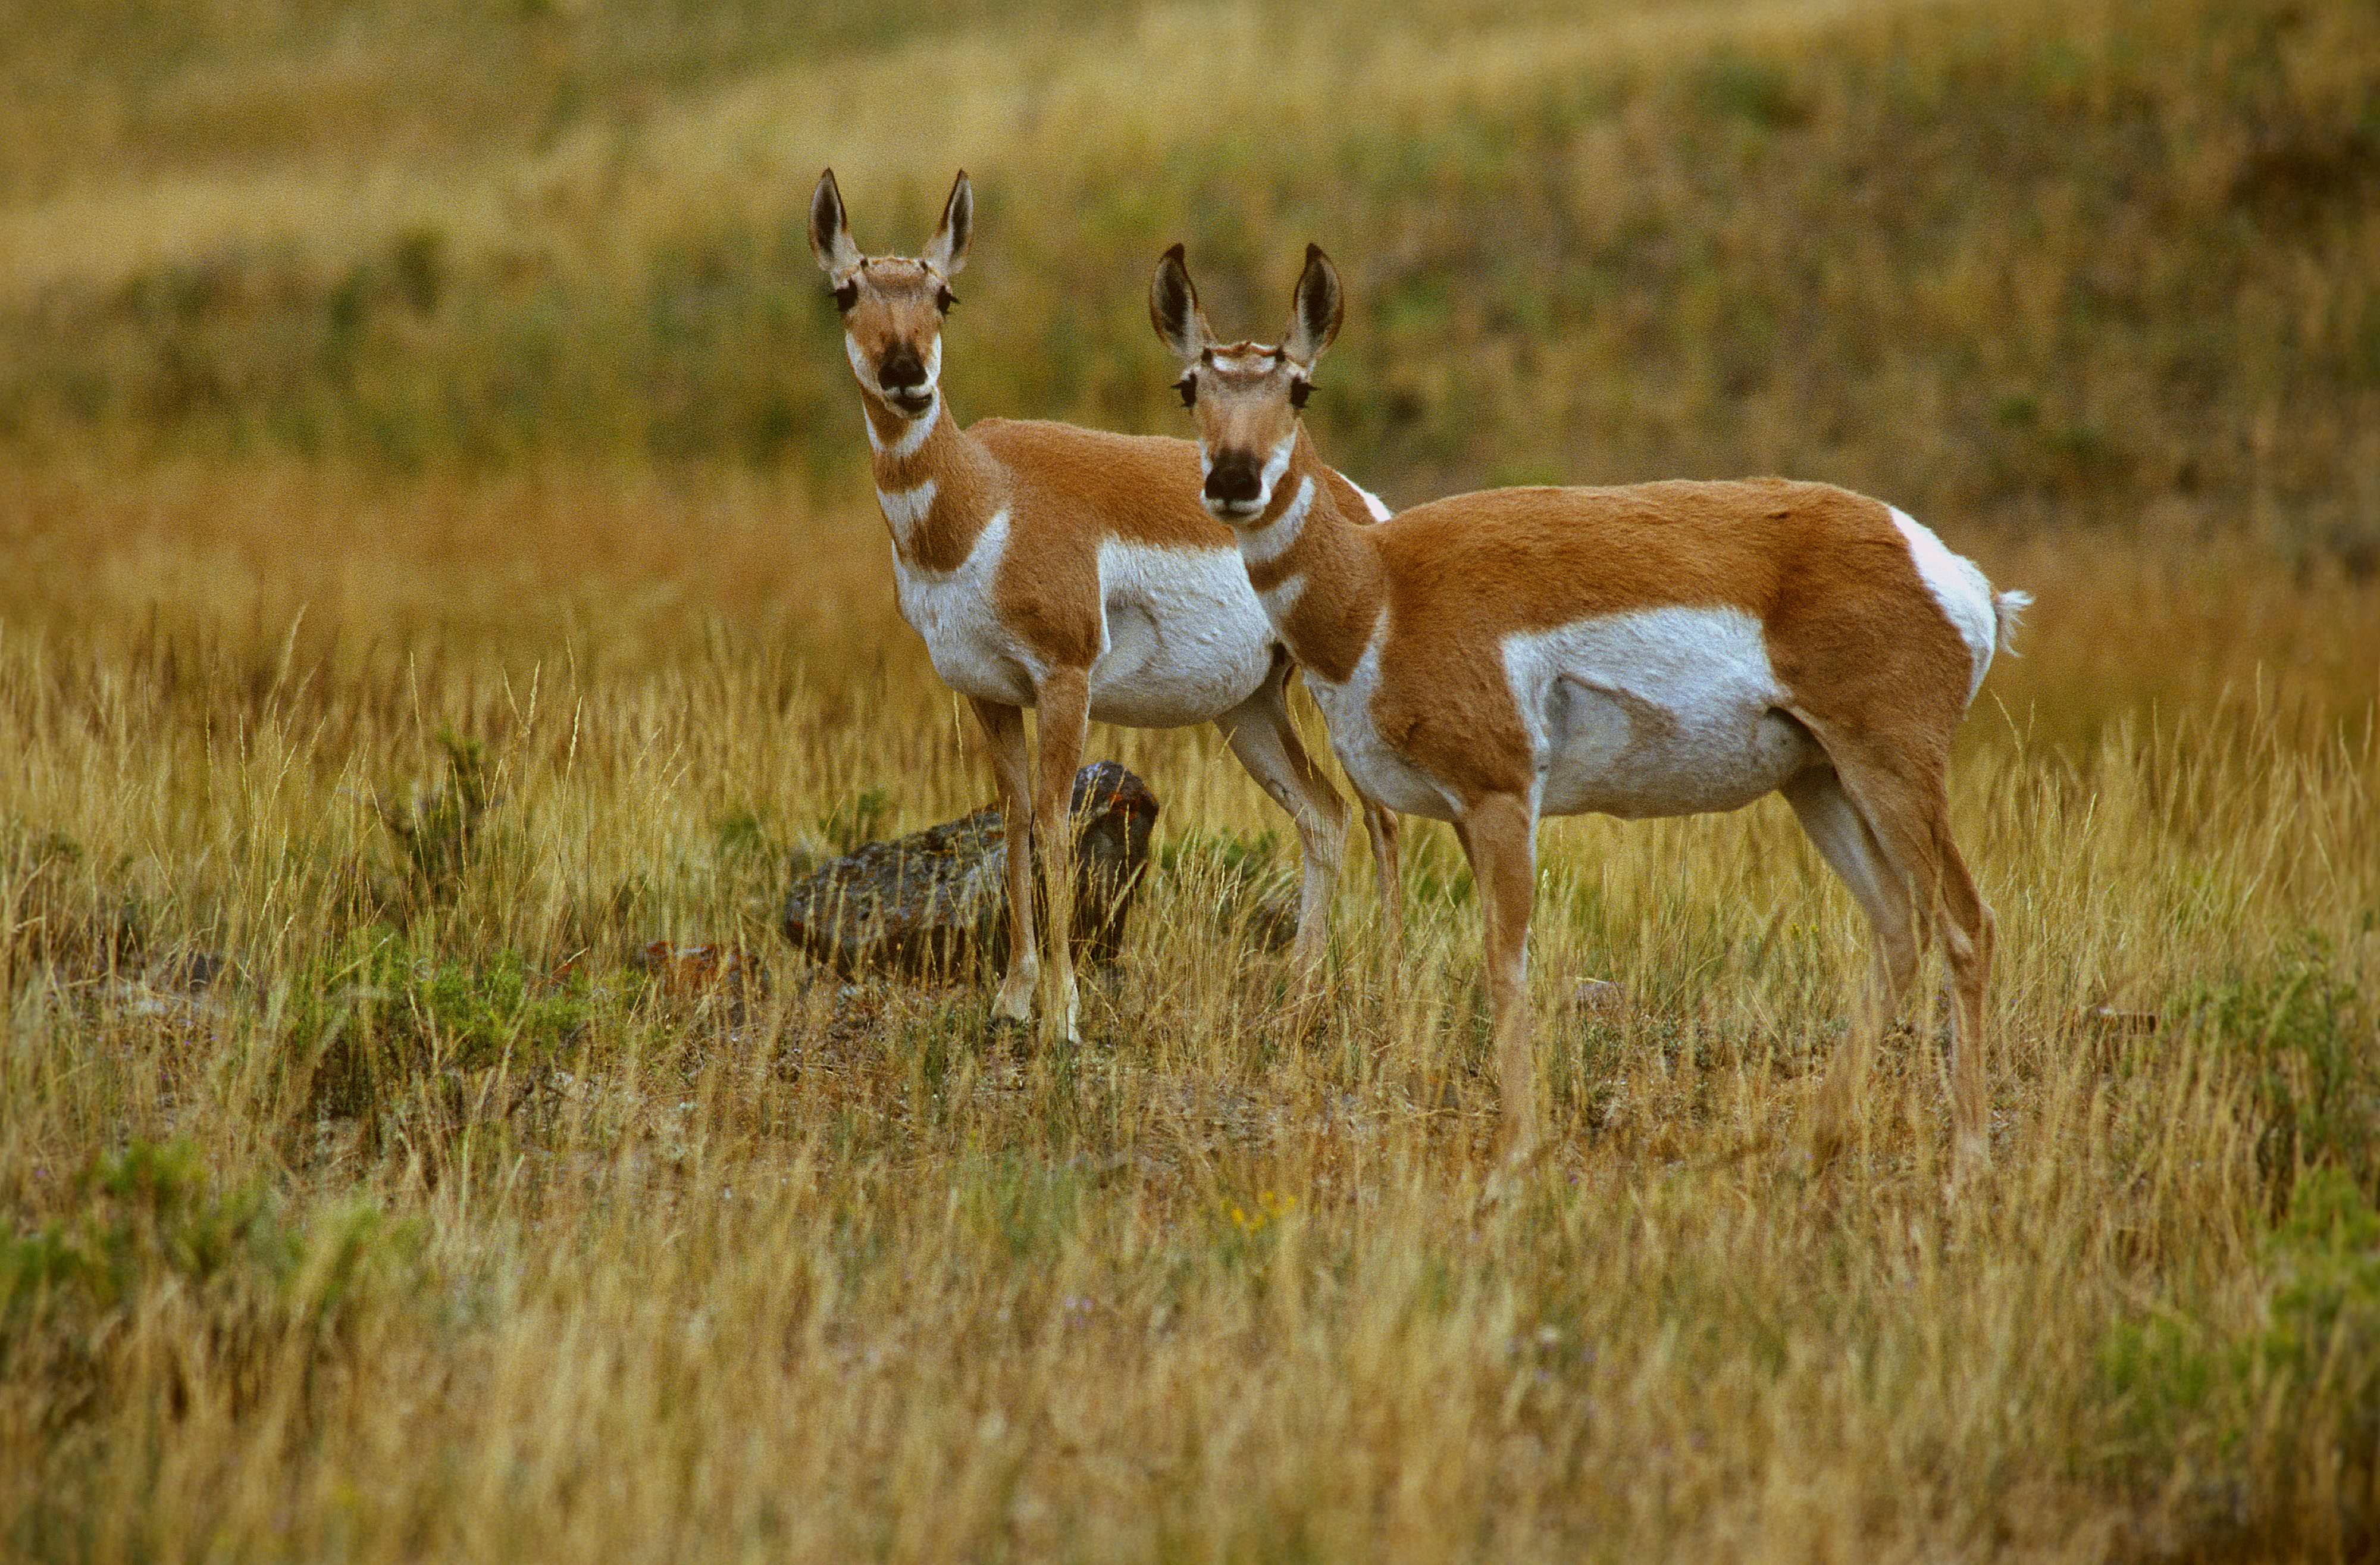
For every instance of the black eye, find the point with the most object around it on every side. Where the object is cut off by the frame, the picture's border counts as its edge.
(1188, 386)
(1298, 391)
(944, 300)
(846, 295)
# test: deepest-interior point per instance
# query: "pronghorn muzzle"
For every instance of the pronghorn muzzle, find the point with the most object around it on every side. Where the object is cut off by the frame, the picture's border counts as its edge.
(903, 375)
(1234, 481)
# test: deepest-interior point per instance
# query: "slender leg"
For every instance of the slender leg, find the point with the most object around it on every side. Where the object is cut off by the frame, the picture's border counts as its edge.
(1003, 730)
(1380, 822)
(1500, 836)
(1064, 720)
(1260, 734)
(1843, 838)
(1969, 934)
(1911, 818)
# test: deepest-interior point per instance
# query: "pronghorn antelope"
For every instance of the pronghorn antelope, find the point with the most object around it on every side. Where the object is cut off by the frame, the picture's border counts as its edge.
(1073, 572)
(1665, 649)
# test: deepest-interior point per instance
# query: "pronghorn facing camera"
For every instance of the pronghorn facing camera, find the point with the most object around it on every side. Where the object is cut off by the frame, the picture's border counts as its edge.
(1069, 571)
(1664, 649)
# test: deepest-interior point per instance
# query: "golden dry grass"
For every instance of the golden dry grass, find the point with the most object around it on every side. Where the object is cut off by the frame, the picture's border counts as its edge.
(401, 1241)
(831, 1280)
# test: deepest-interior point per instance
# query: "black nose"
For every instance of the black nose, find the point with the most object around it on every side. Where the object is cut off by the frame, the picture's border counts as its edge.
(1233, 478)
(902, 369)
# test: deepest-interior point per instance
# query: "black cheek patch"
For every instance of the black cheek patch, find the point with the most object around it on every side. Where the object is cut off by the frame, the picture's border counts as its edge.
(944, 300)
(847, 295)
(1298, 392)
(1188, 386)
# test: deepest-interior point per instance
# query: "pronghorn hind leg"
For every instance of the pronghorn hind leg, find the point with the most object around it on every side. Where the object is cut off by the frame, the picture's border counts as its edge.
(1380, 825)
(1843, 837)
(1261, 733)
(1003, 731)
(1910, 816)
(1500, 836)
(1969, 934)
(1060, 726)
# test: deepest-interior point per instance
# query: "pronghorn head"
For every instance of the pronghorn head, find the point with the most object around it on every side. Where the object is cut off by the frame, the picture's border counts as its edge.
(893, 306)
(1246, 394)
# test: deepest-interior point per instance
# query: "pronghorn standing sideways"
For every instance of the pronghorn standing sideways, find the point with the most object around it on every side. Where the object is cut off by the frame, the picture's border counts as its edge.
(1666, 649)
(1073, 572)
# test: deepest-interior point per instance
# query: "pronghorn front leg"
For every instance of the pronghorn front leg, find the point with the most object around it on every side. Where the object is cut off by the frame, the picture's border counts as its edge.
(1500, 836)
(1262, 736)
(1064, 708)
(1003, 731)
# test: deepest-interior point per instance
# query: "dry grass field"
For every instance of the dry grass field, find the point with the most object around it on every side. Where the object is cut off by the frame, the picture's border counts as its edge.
(434, 563)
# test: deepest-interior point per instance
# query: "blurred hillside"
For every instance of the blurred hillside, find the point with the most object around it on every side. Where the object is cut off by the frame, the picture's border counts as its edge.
(2110, 262)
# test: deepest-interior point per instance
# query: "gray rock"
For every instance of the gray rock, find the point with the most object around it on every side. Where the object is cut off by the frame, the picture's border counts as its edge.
(934, 903)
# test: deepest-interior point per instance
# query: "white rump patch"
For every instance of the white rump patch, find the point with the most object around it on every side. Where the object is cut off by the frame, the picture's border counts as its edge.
(1181, 638)
(1960, 590)
(2009, 608)
(1372, 502)
(1659, 712)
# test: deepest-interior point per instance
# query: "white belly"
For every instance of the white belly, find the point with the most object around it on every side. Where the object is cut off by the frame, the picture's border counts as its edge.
(953, 610)
(1183, 640)
(1659, 712)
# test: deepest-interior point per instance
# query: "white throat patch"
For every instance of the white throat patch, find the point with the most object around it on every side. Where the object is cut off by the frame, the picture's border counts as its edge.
(1262, 545)
(906, 509)
(911, 439)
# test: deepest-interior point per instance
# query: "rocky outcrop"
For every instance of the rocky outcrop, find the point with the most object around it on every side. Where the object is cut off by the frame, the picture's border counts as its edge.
(934, 903)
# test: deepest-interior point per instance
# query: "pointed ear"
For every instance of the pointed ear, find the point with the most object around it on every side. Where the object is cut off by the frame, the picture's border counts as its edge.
(831, 231)
(946, 251)
(1173, 308)
(1314, 309)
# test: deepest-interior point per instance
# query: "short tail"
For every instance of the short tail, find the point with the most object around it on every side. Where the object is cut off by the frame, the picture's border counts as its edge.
(2007, 611)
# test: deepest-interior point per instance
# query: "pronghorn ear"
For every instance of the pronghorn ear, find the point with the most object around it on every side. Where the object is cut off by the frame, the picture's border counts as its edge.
(946, 251)
(1174, 308)
(1315, 308)
(831, 231)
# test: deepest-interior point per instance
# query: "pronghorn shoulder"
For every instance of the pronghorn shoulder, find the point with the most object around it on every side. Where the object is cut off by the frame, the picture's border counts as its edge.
(1078, 484)
(1046, 439)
